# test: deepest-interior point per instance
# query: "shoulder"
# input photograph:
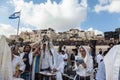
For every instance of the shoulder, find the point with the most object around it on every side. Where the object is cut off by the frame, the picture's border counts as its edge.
(90, 59)
(17, 57)
(22, 54)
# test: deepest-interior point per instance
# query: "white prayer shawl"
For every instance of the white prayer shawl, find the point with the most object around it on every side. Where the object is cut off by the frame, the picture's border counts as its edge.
(80, 70)
(30, 57)
(58, 61)
(112, 63)
(58, 64)
(17, 61)
(5, 60)
(45, 59)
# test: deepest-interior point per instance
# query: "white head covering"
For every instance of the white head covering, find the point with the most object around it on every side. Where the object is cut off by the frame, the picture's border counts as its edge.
(112, 63)
(5, 60)
(86, 59)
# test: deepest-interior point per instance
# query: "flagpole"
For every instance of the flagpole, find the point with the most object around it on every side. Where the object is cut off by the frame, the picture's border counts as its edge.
(18, 26)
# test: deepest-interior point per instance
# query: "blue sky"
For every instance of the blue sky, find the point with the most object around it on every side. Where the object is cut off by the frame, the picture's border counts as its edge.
(98, 15)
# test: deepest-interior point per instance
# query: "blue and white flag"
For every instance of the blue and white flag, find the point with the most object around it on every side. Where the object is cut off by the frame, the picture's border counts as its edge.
(15, 15)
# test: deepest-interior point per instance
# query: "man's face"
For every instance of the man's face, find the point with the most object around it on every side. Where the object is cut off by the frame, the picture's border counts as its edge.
(27, 49)
(63, 52)
(82, 51)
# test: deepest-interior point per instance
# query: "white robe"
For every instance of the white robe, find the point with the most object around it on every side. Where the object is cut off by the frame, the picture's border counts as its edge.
(45, 60)
(5, 60)
(112, 63)
(99, 58)
(58, 64)
(100, 75)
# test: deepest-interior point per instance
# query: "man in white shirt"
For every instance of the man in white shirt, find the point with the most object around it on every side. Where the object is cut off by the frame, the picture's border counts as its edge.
(110, 67)
(65, 58)
(101, 75)
(99, 56)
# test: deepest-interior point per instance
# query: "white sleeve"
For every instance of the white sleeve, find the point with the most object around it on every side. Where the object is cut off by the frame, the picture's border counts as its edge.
(66, 56)
(99, 58)
(22, 65)
(21, 55)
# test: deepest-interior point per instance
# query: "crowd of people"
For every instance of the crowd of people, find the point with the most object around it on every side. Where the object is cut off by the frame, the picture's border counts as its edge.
(43, 57)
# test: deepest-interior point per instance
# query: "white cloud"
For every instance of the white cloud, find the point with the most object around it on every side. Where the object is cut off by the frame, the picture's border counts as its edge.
(61, 17)
(112, 6)
(96, 31)
(6, 29)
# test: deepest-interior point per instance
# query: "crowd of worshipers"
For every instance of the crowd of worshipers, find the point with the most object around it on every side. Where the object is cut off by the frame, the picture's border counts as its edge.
(43, 57)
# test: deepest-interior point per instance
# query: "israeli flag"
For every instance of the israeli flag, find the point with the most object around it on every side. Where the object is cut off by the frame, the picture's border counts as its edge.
(15, 15)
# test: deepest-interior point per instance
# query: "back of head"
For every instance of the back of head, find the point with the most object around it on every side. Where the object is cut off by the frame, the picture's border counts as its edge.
(111, 44)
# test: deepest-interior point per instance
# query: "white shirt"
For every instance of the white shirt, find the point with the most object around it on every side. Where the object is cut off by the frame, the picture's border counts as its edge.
(101, 72)
(99, 58)
(65, 56)
(45, 60)
(17, 61)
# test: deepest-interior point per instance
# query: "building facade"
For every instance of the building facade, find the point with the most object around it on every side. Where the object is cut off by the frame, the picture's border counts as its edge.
(71, 35)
